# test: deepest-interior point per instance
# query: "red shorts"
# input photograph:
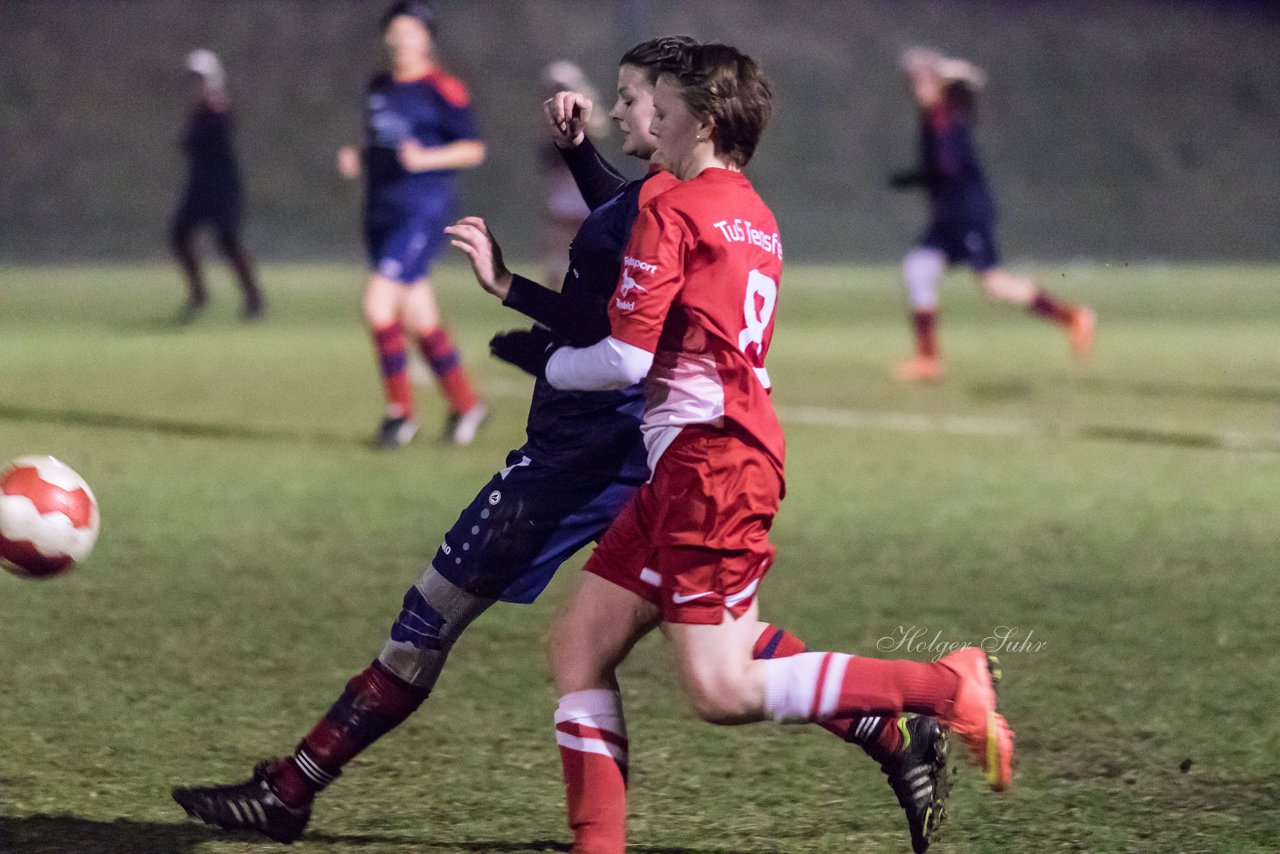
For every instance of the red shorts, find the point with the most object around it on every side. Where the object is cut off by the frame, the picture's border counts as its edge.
(695, 539)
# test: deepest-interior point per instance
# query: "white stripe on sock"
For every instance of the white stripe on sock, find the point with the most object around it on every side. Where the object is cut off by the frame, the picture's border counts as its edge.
(592, 745)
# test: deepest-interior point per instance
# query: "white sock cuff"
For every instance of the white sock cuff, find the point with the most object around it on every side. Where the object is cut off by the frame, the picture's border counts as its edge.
(804, 687)
(599, 707)
(592, 722)
(921, 270)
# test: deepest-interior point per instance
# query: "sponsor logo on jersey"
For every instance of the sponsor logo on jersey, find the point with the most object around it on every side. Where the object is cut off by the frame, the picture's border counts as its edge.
(639, 265)
(629, 284)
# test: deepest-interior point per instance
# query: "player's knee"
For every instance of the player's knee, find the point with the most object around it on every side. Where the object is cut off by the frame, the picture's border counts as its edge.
(432, 617)
(379, 305)
(228, 242)
(180, 238)
(715, 700)
(717, 695)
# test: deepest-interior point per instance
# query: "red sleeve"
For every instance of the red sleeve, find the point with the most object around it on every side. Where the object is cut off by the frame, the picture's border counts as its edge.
(451, 89)
(652, 276)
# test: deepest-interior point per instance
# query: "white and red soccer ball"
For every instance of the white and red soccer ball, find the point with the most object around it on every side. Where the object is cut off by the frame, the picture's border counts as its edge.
(48, 517)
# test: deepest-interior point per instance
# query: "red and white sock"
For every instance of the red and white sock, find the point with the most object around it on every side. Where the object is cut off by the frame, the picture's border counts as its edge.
(816, 686)
(592, 736)
(876, 734)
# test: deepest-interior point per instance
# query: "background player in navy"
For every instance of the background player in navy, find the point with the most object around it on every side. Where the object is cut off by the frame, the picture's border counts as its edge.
(418, 132)
(564, 209)
(963, 214)
(212, 195)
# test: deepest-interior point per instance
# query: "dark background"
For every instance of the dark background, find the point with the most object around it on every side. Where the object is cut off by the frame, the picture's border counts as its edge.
(1116, 130)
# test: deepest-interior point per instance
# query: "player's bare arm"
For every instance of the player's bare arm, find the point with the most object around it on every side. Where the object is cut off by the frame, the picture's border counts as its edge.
(462, 154)
(348, 162)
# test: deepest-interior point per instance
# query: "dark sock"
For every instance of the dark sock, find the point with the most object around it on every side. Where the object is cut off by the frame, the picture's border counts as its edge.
(375, 702)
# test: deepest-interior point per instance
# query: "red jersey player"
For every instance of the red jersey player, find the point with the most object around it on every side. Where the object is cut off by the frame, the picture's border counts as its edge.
(693, 312)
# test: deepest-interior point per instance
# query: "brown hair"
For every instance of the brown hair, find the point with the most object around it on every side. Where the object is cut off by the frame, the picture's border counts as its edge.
(725, 85)
(664, 55)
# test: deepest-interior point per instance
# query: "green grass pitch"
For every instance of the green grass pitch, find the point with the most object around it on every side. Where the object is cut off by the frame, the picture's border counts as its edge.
(1123, 519)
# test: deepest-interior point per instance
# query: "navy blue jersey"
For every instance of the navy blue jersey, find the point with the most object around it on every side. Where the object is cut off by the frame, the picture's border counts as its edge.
(435, 110)
(594, 431)
(206, 141)
(949, 168)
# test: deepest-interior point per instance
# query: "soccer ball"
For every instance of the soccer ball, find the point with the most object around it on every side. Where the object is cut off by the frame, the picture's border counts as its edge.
(48, 517)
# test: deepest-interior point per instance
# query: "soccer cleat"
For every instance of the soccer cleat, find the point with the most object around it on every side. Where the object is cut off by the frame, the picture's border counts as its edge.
(1080, 332)
(918, 369)
(254, 308)
(919, 776)
(191, 311)
(973, 716)
(395, 432)
(251, 805)
(461, 428)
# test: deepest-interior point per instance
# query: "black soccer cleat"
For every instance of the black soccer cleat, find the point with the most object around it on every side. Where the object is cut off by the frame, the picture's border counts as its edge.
(251, 805)
(395, 433)
(919, 776)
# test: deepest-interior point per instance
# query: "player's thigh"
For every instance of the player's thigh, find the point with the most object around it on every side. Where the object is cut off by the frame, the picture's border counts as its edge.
(595, 632)
(715, 666)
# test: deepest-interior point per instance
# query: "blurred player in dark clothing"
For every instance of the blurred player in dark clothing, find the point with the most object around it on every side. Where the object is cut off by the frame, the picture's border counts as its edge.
(564, 209)
(963, 214)
(418, 132)
(213, 193)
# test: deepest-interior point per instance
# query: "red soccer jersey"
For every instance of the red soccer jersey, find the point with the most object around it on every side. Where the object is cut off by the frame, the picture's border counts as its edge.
(698, 290)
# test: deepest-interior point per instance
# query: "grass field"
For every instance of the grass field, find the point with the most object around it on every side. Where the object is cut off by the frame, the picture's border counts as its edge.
(1125, 517)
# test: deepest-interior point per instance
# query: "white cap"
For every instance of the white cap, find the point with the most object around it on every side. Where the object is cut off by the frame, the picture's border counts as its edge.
(206, 64)
(962, 71)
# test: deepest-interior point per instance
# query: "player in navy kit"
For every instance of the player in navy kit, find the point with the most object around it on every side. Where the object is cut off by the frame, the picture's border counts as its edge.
(213, 192)
(962, 225)
(558, 493)
(419, 131)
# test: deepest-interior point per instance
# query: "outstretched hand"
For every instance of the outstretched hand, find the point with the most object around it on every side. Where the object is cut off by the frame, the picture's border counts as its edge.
(527, 349)
(471, 234)
(567, 116)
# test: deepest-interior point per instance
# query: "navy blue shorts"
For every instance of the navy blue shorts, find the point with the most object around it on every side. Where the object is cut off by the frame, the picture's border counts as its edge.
(973, 243)
(402, 244)
(525, 522)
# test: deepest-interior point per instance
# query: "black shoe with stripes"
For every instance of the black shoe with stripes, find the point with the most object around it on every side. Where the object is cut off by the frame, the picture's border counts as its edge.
(251, 805)
(919, 776)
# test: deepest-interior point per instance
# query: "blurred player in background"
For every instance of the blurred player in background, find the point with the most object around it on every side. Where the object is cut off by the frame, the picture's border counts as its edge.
(213, 195)
(963, 214)
(693, 312)
(565, 209)
(583, 461)
(418, 132)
